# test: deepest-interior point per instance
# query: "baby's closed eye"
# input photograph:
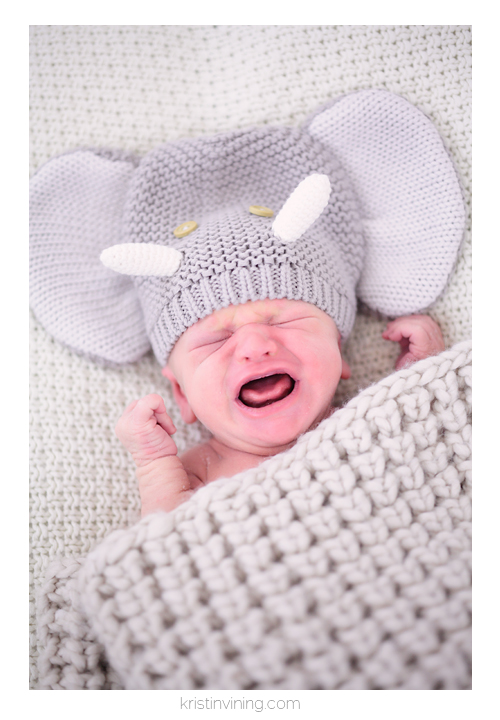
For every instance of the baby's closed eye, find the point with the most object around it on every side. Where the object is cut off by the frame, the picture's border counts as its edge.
(293, 320)
(306, 323)
(211, 340)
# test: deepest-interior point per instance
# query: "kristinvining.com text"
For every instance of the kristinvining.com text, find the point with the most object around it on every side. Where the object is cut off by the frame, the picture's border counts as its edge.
(230, 703)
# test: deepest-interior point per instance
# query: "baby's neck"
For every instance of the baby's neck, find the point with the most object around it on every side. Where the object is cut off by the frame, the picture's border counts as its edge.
(213, 459)
(228, 461)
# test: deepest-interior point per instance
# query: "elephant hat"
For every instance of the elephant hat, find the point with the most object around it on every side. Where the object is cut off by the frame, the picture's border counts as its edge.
(361, 202)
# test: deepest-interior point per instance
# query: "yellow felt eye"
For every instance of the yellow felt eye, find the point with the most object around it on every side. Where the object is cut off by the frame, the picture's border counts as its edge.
(185, 228)
(261, 210)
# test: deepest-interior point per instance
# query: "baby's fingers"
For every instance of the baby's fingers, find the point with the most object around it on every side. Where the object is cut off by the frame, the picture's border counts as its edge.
(402, 328)
(148, 406)
(152, 406)
(418, 329)
(165, 421)
(419, 336)
(128, 410)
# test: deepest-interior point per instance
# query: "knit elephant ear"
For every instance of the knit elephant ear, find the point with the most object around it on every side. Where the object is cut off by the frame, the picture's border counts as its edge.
(411, 200)
(76, 210)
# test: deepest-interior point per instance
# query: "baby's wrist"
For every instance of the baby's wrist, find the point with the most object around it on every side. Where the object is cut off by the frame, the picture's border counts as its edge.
(157, 467)
(144, 458)
(163, 484)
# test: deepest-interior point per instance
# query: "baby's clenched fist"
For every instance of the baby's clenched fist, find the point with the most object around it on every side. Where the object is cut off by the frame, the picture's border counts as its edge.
(419, 336)
(145, 430)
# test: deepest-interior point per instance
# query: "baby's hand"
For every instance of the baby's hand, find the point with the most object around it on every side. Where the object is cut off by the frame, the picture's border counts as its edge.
(145, 429)
(418, 335)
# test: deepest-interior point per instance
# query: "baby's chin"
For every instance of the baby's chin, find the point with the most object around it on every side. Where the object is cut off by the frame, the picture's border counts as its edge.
(272, 437)
(325, 414)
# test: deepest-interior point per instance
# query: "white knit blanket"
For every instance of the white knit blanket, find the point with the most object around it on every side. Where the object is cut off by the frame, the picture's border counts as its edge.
(342, 563)
(135, 87)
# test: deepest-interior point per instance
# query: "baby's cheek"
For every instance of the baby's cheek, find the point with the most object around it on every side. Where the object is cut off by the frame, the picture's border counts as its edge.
(208, 414)
(207, 399)
(326, 361)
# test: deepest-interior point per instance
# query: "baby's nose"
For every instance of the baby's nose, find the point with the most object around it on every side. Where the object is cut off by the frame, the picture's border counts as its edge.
(255, 343)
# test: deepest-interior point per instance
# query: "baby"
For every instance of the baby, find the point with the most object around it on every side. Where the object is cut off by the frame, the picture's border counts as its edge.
(257, 375)
(239, 259)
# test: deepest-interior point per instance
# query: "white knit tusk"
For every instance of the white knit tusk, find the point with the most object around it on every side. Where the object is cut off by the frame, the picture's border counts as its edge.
(303, 207)
(142, 259)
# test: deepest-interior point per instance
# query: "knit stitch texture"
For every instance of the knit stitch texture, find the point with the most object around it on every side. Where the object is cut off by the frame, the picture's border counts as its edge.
(136, 88)
(343, 563)
(388, 227)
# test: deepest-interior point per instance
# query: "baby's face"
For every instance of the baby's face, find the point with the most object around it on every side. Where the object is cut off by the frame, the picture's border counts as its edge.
(258, 375)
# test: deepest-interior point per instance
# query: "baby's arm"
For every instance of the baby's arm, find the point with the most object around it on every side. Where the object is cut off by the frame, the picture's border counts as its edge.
(418, 336)
(145, 429)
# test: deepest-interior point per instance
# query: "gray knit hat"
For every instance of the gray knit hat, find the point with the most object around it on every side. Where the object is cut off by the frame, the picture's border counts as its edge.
(127, 253)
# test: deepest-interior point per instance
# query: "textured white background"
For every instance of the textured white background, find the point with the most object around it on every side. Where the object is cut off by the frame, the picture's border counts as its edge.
(134, 87)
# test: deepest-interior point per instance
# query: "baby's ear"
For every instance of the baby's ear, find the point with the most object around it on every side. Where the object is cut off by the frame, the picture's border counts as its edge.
(186, 413)
(346, 369)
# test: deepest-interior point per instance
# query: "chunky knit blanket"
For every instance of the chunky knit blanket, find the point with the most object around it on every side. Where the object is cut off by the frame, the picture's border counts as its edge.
(342, 563)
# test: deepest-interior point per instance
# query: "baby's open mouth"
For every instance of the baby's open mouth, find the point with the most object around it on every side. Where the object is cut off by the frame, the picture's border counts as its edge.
(266, 390)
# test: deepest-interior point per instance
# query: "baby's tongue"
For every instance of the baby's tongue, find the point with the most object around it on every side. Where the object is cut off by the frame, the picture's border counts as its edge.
(267, 390)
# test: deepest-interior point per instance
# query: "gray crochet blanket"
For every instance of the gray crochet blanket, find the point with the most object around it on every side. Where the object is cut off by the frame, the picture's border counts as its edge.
(343, 563)
(136, 87)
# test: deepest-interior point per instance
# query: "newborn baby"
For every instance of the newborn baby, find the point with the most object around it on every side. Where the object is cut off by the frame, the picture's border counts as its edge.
(257, 375)
(177, 252)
